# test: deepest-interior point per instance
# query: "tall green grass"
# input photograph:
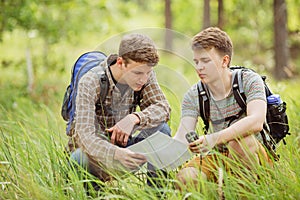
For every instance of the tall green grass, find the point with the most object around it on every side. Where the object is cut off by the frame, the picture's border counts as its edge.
(34, 165)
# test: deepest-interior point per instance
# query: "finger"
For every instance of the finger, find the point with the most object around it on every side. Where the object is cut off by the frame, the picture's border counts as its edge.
(194, 147)
(204, 150)
(125, 139)
(139, 157)
(113, 137)
(134, 163)
(109, 129)
(130, 164)
(195, 144)
(121, 136)
(195, 150)
(199, 148)
(138, 162)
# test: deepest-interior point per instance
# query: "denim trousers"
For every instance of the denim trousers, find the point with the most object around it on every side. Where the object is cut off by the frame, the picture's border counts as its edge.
(79, 157)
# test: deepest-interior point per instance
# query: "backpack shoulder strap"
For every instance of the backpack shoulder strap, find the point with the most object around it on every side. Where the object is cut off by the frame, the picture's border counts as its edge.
(238, 92)
(104, 84)
(238, 89)
(137, 99)
(204, 109)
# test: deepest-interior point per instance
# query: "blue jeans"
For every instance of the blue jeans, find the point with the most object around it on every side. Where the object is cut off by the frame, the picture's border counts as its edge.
(79, 157)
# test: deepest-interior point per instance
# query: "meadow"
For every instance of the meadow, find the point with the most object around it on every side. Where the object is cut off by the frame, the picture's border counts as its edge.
(33, 164)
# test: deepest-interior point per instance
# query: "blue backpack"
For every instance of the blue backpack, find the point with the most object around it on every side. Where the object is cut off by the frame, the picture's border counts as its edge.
(84, 63)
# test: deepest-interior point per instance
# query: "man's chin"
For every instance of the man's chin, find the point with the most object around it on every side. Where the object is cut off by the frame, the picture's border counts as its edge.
(138, 88)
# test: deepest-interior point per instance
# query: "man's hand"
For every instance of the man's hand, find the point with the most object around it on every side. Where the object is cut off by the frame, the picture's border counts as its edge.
(122, 130)
(129, 159)
(205, 143)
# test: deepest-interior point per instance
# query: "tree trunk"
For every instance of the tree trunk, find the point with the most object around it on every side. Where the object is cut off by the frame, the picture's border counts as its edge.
(30, 75)
(220, 14)
(45, 54)
(206, 14)
(281, 70)
(168, 25)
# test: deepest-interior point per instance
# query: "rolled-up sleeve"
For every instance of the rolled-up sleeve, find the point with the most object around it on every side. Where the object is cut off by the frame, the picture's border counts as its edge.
(86, 134)
(155, 108)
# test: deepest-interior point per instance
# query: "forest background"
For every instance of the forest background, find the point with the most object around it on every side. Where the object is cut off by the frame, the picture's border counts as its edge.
(41, 40)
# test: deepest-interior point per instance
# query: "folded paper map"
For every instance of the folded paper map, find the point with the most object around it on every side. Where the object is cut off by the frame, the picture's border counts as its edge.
(162, 151)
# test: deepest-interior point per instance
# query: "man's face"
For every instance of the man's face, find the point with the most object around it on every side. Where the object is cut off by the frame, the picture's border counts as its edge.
(136, 74)
(208, 63)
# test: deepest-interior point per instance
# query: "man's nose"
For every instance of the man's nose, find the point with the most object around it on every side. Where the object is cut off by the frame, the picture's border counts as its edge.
(144, 78)
(199, 66)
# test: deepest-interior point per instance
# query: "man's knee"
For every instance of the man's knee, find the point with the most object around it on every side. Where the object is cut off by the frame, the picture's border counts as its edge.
(187, 177)
(244, 146)
(245, 150)
(80, 158)
(165, 129)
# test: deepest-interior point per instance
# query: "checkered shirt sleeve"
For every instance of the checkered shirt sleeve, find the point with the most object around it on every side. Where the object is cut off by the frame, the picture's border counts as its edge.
(86, 134)
(155, 108)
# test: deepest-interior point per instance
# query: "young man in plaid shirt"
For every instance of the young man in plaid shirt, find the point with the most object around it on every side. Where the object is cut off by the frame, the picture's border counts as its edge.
(101, 134)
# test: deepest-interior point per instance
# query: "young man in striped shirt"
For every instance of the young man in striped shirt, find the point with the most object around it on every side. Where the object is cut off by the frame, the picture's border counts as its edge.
(238, 139)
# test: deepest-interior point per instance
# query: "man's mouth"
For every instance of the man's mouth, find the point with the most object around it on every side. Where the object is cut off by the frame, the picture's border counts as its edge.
(202, 75)
(139, 86)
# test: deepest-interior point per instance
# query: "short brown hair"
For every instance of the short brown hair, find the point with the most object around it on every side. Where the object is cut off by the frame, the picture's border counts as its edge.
(139, 48)
(213, 37)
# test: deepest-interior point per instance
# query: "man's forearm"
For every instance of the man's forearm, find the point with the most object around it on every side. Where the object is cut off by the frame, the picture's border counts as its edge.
(240, 129)
(154, 114)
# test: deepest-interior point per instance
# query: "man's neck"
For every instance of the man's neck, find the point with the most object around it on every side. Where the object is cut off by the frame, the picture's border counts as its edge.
(116, 73)
(222, 87)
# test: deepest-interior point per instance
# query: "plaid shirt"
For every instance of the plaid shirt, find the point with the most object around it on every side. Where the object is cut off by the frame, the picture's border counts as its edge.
(89, 129)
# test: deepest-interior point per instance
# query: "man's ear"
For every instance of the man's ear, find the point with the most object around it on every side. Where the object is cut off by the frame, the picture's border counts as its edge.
(119, 60)
(225, 61)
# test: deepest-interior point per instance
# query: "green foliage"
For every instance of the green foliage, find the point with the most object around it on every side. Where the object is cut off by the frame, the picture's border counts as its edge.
(32, 132)
(87, 23)
(9, 11)
(293, 14)
(181, 17)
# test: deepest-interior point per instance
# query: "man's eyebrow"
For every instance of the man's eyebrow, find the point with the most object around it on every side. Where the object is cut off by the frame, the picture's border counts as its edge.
(202, 58)
(138, 70)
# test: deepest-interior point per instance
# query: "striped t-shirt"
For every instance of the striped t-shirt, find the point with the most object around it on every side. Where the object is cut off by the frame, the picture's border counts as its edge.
(220, 109)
